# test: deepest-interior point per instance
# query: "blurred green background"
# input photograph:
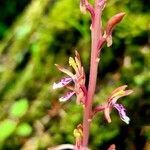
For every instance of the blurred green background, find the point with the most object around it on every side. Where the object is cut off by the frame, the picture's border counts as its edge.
(36, 34)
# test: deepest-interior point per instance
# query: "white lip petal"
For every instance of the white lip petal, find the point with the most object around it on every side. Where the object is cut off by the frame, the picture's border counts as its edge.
(55, 86)
(62, 83)
(126, 119)
(66, 97)
(122, 113)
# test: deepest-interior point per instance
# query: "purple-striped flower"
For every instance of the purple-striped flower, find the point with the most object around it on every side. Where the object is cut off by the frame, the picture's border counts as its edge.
(62, 83)
(66, 97)
(112, 103)
(78, 78)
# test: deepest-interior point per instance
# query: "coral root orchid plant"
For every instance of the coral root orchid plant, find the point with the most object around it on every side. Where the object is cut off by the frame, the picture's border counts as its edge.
(85, 95)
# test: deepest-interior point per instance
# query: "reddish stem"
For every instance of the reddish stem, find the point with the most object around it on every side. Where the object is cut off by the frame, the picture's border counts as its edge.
(96, 35)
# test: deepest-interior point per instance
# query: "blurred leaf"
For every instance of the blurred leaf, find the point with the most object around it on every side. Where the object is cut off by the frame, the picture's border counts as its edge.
(22, 31)
(24, 129)
(19, 108)
(7, 127)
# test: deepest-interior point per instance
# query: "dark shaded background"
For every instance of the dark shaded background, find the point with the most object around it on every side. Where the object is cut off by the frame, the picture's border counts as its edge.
(39, 33)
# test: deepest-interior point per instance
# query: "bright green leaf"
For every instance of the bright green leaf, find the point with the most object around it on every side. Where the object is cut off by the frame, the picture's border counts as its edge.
(19, 108)
(7, 127)
(24, 129)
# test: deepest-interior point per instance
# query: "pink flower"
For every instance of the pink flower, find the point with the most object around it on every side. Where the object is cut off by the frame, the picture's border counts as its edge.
(78, 79)
(112, 103)
(62, 83)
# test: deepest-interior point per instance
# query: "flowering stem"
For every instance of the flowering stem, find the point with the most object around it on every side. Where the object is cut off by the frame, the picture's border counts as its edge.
(96, 36)
(85, 95)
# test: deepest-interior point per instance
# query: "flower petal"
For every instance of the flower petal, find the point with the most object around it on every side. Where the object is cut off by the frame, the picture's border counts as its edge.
(66, 97)
(62, 83)
(118, 93)
(77, 59)
(109, 40)
(73, 64)
(62, 69)
(78, 134)
(107, 114)
(122, 113)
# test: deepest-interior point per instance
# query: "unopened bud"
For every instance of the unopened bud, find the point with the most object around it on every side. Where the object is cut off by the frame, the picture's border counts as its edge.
(112, 22)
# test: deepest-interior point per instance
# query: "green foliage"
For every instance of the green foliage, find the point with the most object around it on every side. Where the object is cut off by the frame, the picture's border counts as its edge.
(10, 10)
(24, 129)
(19, 108)
(7, 128)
